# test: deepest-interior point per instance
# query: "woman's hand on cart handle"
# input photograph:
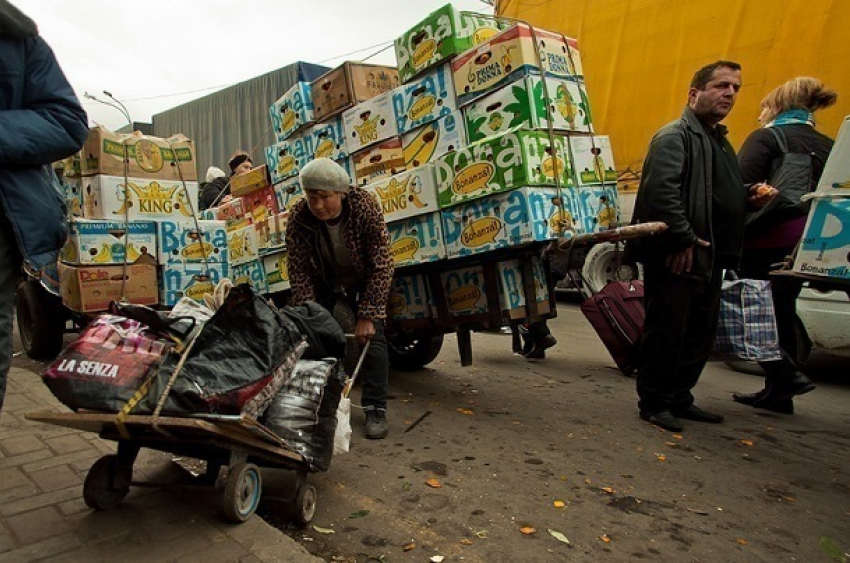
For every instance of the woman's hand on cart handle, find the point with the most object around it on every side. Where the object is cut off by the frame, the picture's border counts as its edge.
(364, 331)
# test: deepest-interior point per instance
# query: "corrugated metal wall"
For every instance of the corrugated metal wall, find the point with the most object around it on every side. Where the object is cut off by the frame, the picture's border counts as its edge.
(236, 118)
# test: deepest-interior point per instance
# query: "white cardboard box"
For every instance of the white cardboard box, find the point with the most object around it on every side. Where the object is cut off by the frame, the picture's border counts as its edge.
(407, 194)
(251, 273)
(417, 240)
(107, 197)
(96, 241)
(593, 160)
(192, 280)
(276, 267)
(369, 122)
(242, 245)
(184, 241)
(825, 247)
(425, 99)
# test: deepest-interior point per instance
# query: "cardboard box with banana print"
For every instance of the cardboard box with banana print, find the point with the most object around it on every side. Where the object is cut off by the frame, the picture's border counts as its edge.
(523, 104)
(417, 240)
(593, 159)
(276, 267)
(410, 298)
(251, 273)
(286, 158)
(95, 241)
(189, 241)
(497, 164)
(192, 280)
(328, 139)
(242, 245)
(137, 199)
(292, 111)
(369, 122)
(429, 142)
(429, 97)
(378, 162)
(409, 193)
(512, 288)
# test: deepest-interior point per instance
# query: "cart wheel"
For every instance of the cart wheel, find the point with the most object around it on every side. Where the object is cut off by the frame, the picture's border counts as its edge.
(99, 490)
(41, 321)
(601, 267)
(305, 504)
(242, 492)
(410, 352)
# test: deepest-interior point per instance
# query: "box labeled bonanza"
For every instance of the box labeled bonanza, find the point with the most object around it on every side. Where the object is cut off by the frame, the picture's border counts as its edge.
(73, 189)
(251, 273)
(497, 164)
(593, 160)
(378, 161)
(501, 220)
(185, 241)
(431, 141)
(276, 267)
(424, 100)
(591, 209)
(286, 158)
(146, 157)
(417, 240)
(835, 180)
(523, 104)
(406, 194)
(190, 279)
(443, 34)
(87, 289)
(287, 193)
(465, 291)
(242, 245)
(328, 140)
(825, 247)
(512, 288)
(93, 241)
(109, 197)
(292, 111)
(410, 298)
(348, 85)
(506, 57)
(369, 122)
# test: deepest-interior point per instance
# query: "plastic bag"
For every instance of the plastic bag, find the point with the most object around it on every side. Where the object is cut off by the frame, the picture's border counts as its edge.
(325, 338)
(342, 436)
(747, 325)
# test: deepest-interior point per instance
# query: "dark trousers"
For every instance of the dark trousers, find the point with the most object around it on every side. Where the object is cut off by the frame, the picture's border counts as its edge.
(756, 264)
(678, 337)
(374, 374)
(10, 268)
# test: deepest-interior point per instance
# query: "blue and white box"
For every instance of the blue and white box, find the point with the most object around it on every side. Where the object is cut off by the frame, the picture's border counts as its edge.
(406, 194)
(410, 298)
(181, 241)
(465, 290)
(192, 280)
(286, 158)
(292, 111)
(431, 141)
(327, 139)
(251, 273)
(93, 241)
(825, 247)
(417, 240)
(512, 287)
(287, 193)
(425, 99)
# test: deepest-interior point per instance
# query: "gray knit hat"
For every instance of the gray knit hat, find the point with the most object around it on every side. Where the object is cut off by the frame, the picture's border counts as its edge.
(324, 174)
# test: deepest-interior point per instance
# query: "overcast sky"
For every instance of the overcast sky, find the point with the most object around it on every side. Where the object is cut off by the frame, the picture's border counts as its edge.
(152, 54)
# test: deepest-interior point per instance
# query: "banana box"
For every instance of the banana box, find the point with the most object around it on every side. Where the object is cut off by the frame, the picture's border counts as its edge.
(508, 56)
(512, 288)
(410, 298)
(502, 163)
(417, 240)
(192, 280)
(286, 158)
(276, 267)
(249, 182)
(137, 199)
(106, 152)
(409, 193)
(378, 161)
(825, 247)
(328, 140)
(425, 144)
(93, 241)
(231, 212)
(501, 220)
(73, 189)
(88, 289)
(348, 85)
(425, 99)
(287, 193)
(251, 273)
(185, 241)
(292, 111)
(369, 122)
(835, 180)
(465, 291)
(593, 208)
(261, 204)
(443, 34)
(522, 104)
(592, 159)
(242, 245)
(271, 233)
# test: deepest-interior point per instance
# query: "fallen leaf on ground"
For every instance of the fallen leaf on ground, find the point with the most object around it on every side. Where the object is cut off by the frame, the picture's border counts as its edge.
(436, 559)
(559, 536)
(465, 411)
(406, 486)
(747, 442)
(558, 504)
(359, 514)
(481, 534)
(466, 541)
(527, 530)
(409, 546)
(698, 511)
(605, 538)
(321, 530)
(608, 490)
(742, 541)
(661, 457)
(672, 444)
(434, 483)
(678, 436)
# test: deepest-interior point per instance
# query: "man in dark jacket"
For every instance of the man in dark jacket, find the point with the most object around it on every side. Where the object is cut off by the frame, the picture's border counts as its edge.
(217, 189)
(41, 121)
(690, 181)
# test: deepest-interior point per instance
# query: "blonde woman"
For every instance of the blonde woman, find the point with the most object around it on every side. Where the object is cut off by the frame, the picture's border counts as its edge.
(787, 117)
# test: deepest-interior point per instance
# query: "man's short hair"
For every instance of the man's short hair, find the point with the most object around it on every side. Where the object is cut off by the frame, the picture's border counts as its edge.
(703, 75)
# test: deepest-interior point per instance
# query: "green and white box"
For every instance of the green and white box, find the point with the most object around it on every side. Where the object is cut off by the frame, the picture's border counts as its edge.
(417, 240)
(276, 267)
(443, 34)
(502, 163)
(369, 122)
(523, 104)
(93, 241)
(410, 298)
(407, 194)
(593, 159)
(429, 142)
(185, 241)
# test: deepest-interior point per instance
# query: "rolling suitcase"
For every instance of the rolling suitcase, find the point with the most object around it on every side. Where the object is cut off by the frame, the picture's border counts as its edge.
(617, 314)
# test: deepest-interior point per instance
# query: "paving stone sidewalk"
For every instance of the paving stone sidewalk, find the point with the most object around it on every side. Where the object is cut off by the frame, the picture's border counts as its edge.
(43, 516)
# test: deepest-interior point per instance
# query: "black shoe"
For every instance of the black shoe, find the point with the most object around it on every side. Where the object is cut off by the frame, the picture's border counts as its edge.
(537, 351)
(780, 392)
(693, 412)
(755, 400)
(663, 419)
(377, 426)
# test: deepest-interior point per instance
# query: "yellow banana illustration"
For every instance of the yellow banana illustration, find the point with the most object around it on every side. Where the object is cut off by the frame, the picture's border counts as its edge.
(103, 255)
(133, 253)
(125, 205)
(183, 202)
(422, 147)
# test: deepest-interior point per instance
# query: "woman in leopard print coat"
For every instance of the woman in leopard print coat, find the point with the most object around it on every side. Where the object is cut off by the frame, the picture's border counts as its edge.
(339, 250)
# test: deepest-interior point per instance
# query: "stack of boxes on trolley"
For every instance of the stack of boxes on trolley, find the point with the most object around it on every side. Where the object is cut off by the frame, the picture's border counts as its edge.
(482, 139)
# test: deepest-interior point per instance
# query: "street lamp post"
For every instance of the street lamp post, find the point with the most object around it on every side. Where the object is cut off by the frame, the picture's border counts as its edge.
(117, 105)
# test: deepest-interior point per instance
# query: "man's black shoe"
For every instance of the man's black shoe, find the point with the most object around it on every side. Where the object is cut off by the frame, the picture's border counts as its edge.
(663, 419)
(377, 427)
(755, 400)
(693, 412)
(538, 350)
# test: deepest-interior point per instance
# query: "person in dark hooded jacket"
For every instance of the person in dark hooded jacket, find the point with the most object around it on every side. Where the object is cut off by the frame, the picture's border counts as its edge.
(41, 121)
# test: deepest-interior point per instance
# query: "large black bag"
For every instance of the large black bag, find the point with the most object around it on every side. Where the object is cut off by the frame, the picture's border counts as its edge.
(325, 338)
(792, 176)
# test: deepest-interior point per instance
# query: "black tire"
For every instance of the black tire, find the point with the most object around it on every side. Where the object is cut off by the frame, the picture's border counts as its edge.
(413, 352)
(305, 504)
(41, 320)
(242, 492)
(99, 490)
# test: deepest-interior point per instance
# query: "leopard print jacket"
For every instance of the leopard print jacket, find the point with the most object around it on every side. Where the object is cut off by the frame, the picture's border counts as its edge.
(366, 240)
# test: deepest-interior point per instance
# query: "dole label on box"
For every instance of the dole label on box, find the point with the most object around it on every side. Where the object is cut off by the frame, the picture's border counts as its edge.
(431, 141)
(424, 100)
(182, 241)
(417, 240)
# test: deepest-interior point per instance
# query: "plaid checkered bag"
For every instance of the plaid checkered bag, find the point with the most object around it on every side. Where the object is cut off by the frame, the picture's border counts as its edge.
(747, 325)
